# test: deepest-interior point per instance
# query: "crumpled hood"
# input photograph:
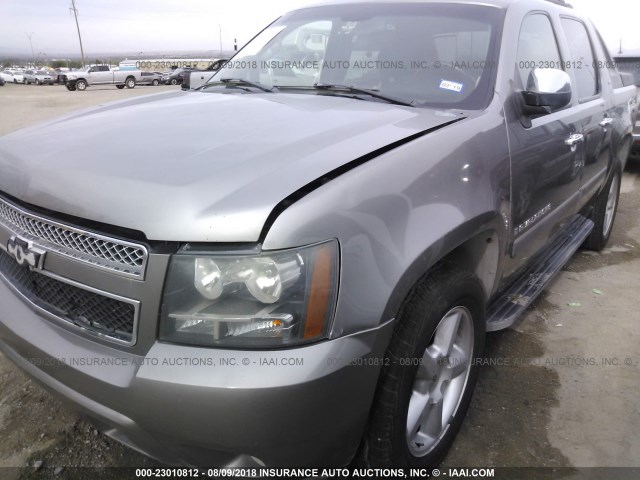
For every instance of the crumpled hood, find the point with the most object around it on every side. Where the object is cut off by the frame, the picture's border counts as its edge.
(197, 166)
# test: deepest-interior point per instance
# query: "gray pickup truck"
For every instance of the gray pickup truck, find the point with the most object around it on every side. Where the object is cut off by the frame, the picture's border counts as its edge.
(101, 75)
(300, 270)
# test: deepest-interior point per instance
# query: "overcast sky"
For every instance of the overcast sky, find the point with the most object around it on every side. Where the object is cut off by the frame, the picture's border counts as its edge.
(143, 26)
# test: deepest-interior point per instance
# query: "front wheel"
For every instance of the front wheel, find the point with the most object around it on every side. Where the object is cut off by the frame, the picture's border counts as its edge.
(604, 214)
(430, 373)
(174, 81)
(155, 83)
(130, 82)
(81, 85)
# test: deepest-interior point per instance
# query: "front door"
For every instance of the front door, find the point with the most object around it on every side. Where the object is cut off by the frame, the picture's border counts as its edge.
(547, 151)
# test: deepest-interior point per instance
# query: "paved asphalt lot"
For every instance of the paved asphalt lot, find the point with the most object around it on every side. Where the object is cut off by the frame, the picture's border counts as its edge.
(561, 389)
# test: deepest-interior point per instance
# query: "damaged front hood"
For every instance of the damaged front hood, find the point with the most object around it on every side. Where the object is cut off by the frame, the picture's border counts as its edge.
(198, 166)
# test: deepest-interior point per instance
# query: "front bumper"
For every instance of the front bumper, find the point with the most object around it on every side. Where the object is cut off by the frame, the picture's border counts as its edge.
(207, 407)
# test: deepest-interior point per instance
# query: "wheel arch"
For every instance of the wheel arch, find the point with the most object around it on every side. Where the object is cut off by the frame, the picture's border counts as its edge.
(477, 246)
(618, 160)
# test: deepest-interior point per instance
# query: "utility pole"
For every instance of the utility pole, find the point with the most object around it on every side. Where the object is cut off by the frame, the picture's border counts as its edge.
(75, 12)
(29, 35)
(620, 51)
(220, 29)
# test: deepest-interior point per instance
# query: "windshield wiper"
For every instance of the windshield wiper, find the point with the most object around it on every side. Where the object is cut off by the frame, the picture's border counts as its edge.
(237, 82)
(361, 91)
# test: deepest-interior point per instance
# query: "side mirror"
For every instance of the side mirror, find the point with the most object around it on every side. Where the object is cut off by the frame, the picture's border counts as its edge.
(548, 90)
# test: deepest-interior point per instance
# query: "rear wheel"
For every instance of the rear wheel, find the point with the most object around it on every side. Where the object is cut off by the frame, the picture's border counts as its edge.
(429, 375)
(604, 214)
(155, 82)
(174, 81)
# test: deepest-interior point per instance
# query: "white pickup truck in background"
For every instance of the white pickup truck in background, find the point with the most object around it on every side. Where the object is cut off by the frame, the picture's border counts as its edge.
(197, 78)
(101, 75)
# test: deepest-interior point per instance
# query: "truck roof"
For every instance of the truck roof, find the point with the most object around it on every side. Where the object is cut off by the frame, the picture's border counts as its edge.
(494, 3)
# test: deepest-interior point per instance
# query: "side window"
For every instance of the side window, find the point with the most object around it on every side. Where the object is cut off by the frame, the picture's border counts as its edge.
(609, 65)
(612, 71)
(582, 58)
(537, 46)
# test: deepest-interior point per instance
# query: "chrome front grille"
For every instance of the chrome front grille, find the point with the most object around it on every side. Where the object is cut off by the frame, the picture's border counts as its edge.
(98, 313)
(111, 254)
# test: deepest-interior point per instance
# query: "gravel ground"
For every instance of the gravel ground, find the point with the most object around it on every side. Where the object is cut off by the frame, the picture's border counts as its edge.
(545, 412)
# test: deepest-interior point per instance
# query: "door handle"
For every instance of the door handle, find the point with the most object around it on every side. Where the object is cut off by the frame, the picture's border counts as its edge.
(574, 139)
(606, 122)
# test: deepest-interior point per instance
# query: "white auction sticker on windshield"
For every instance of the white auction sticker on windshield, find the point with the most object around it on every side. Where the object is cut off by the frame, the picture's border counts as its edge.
(453, 86)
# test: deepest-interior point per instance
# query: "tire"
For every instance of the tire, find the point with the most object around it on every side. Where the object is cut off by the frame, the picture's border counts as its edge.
(130, 82)
(604, 214)
(38, 82)
(70, 88)
(155, 82)
(174, 81)
(119, 87)
(81, 85)
(449, 299)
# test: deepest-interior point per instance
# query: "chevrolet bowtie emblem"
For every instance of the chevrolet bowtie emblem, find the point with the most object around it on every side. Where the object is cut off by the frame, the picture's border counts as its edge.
(25, 253)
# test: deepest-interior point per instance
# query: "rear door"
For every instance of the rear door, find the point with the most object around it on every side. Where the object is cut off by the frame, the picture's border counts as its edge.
(547, 151)
(596, 119)
(101, 74)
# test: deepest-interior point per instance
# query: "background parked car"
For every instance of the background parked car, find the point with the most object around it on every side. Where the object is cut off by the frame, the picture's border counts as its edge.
(198, 77)
(12, 77)
(150, 78)
(29, 77)
(631, 64)
(59, 74)
(44, 77)
(177, 76)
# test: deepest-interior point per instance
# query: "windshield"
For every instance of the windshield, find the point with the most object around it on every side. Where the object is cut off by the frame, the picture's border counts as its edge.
(422, 54)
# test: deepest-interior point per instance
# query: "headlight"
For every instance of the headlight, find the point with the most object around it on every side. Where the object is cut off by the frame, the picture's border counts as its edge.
(272, 299)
